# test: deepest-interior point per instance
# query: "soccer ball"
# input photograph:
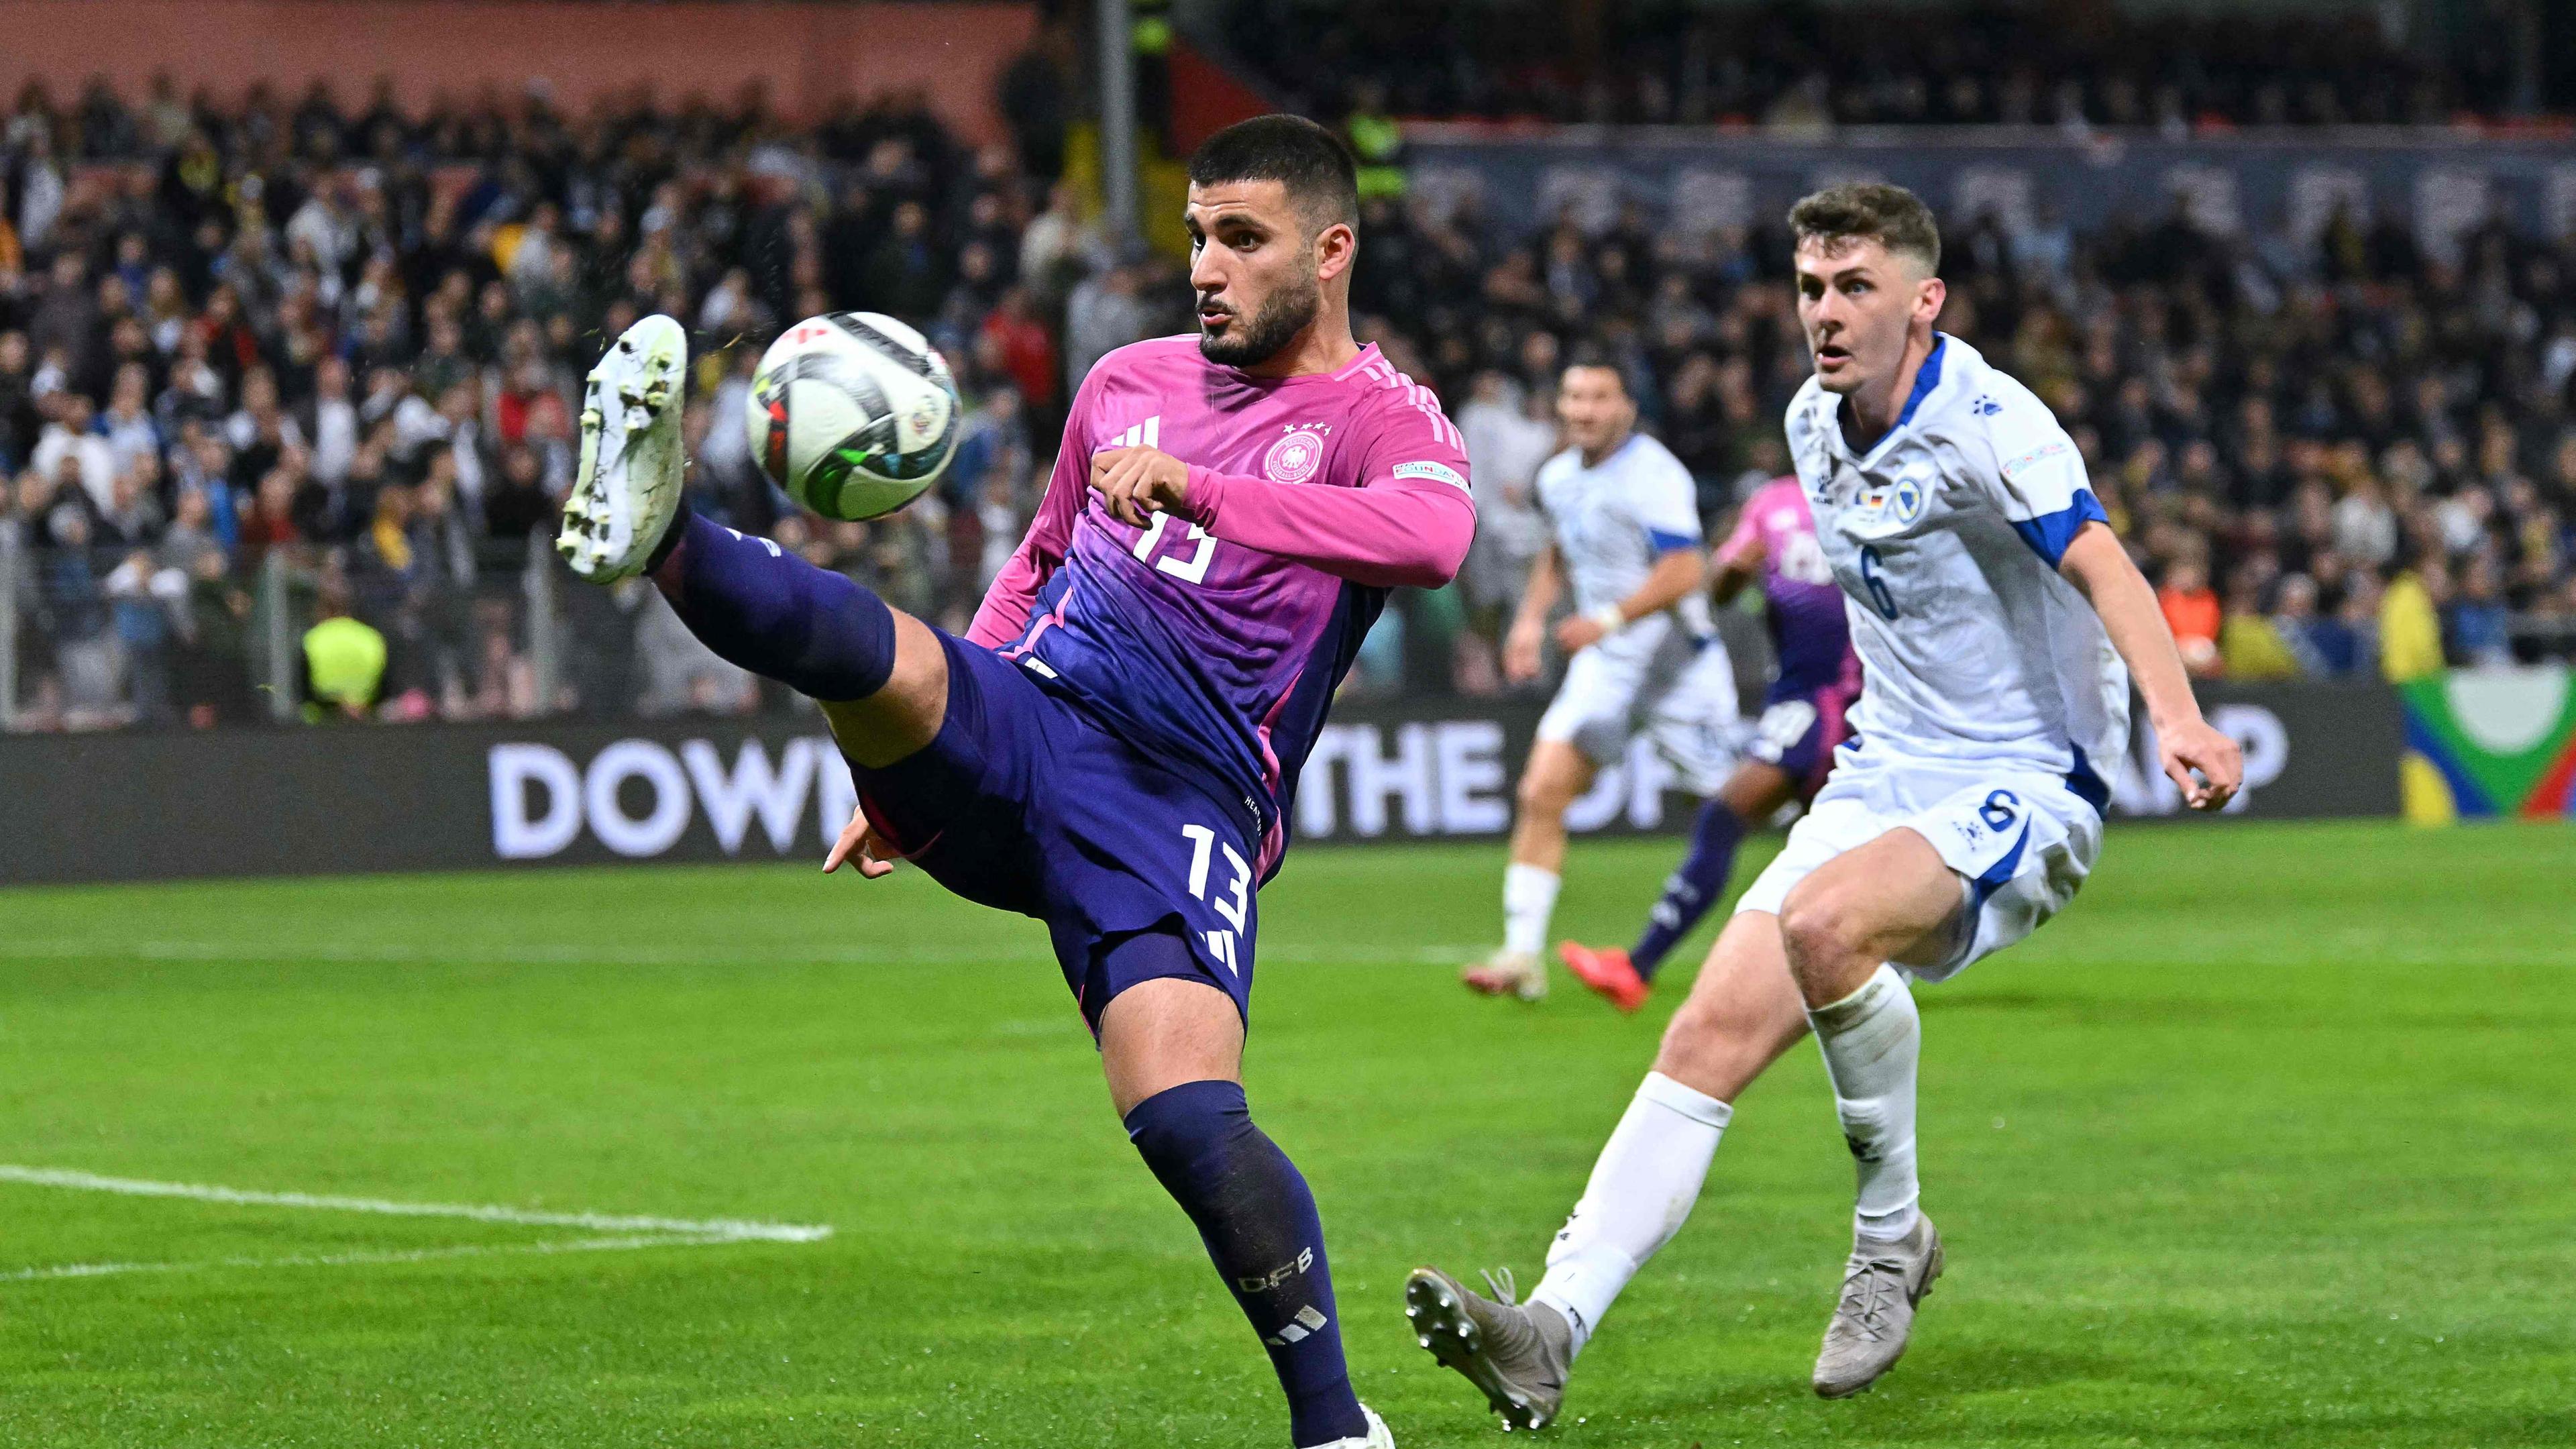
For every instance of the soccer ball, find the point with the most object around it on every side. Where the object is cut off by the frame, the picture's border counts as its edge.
(853, 413)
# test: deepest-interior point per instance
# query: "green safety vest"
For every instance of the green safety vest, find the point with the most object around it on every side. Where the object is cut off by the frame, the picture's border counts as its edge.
(346, 659)
(1376, 141)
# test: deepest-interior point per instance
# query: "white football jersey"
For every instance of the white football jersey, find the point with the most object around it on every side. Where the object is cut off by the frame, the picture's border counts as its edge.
(1945, 538)
(1613, 521)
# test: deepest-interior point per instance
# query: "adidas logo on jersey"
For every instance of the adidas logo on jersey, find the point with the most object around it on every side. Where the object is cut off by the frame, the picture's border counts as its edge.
(1147, 434)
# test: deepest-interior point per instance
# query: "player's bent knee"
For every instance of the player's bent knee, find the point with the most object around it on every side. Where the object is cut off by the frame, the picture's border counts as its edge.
(1541, 795)
(905, 713)
(1822, 934)
(1555, 776)
(1166, 1031)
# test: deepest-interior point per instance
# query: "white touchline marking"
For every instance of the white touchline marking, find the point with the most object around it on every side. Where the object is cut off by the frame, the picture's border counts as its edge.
(729, 1230)
(337, 1260)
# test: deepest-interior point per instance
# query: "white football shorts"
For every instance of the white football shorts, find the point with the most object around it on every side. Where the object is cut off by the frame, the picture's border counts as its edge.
(2019, 839)
(1677, 692)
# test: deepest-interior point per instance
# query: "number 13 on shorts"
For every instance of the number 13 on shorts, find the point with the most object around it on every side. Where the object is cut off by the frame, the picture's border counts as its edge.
(1232, 898)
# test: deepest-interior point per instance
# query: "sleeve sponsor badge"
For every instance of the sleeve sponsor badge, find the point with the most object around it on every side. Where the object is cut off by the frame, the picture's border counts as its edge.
(1440, 472)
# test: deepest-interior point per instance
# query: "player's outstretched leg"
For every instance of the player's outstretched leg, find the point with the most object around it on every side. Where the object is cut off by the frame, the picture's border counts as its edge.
(1743, 1012)
(1623, 978)
(1173, 1046)
(1752, 794)
(1556, 774)
(1892, 899)
(752, 602)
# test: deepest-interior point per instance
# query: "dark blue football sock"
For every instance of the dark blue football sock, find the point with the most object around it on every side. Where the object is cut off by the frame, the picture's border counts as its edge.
(1259, 1223)
(762, 608)
(1692, 888)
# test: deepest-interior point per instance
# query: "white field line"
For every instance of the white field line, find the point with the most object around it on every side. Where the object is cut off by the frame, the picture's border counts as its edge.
(338, 1260)
(396, 954)
(723, 1230)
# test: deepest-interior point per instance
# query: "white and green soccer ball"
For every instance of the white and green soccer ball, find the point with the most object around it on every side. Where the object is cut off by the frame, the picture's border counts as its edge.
(853, 413)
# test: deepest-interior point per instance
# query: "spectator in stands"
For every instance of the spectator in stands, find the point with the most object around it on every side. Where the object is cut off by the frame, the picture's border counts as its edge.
(342, 660)
(2475, 628)
(2410, 625)
(358, 370)
(2192, 611)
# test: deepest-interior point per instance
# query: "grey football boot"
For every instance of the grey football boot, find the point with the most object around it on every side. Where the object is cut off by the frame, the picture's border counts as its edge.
(1881, 1284)
(1517, 1353)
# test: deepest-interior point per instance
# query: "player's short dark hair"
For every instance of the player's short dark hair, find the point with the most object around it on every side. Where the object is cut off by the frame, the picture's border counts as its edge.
(1308, 161)
(1589, 356)
(1891, 216)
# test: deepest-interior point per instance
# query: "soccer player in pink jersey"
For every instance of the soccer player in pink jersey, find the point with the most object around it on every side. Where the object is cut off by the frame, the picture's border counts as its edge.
(1816, 678)
(1114, 746)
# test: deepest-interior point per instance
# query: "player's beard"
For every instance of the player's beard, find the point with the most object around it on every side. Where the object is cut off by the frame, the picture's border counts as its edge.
(1253, 340)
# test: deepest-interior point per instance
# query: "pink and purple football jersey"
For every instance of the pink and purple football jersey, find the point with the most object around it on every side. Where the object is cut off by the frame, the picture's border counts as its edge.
(1211, 638)
(1810, 633)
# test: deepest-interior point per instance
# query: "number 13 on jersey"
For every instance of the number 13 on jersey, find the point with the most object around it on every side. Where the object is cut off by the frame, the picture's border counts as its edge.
(1192, 570)
(1233, 899)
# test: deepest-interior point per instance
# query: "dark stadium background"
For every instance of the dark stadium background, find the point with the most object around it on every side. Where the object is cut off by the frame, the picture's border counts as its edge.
(295, 298)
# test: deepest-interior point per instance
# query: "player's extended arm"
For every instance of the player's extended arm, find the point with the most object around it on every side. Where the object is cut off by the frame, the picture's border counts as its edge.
(1524, 641)
(1738, 563)
(1005, 610)
(1538, 593)
(1676, 573)
(2098, 566)
(1391, 531)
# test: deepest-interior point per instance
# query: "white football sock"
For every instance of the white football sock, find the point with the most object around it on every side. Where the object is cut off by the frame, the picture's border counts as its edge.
(1872, 1040)
(1529, 898)
(1642, 1188)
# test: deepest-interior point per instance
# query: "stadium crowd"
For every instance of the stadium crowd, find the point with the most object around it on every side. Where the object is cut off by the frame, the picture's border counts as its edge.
(290, 386)
(1809, 67)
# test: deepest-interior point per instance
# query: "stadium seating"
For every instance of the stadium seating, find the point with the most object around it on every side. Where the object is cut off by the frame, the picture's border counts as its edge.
(259, 359)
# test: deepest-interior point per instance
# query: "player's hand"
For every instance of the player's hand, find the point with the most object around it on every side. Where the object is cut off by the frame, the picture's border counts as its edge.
(860, 839)
(1579, 632)
(2207, 765)
(1521, 650)
(1133, 482)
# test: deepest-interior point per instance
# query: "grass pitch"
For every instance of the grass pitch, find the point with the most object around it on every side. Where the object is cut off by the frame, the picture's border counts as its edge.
(2265, 1142)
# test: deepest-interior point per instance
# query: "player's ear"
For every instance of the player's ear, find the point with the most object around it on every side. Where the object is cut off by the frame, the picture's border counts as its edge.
(1929, 297)
(1336, 247)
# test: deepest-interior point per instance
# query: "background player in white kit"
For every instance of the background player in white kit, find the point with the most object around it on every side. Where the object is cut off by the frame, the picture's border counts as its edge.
(1624, 519)
(1992, 607)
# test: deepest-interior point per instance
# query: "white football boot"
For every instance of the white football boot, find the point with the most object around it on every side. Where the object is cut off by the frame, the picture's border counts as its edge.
(632, 459)
(1508, 973)
(1378, 1435)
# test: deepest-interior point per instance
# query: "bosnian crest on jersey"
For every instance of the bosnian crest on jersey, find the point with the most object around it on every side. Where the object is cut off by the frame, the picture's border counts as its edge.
(1296, 456)
(1903, 500)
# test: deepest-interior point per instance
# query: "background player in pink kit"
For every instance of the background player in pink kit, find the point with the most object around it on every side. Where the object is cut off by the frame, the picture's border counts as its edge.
(1815, 679)
(1115, 745)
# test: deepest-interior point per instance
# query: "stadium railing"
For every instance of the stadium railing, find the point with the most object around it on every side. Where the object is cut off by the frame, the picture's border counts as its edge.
(111, 637)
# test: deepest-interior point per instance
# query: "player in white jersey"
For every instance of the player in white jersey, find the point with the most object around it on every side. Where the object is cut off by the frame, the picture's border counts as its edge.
(1644, 659)
(1993, 610)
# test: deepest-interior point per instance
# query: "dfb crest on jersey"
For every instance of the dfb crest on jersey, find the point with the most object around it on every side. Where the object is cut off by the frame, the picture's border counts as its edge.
(1295, 457)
